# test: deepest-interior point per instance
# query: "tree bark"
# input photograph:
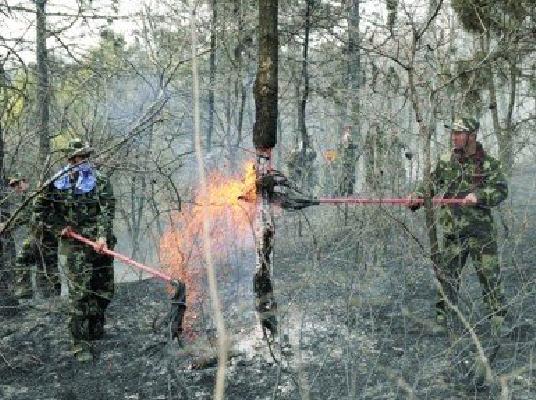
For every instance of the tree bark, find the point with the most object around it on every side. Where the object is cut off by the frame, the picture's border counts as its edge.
(212, 76)
(266, 85)
(504, 134)
(302, 174)
(240, 88)
(425, 135)
(353, 104)
(507, 148)
(368, 158)
(391, 13)
(305, 79)
(264, 139)
(7, 243)
(43, 90)
(3, 112)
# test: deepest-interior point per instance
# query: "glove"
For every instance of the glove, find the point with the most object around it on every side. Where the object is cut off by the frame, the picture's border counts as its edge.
(412, 204)
(414, 207)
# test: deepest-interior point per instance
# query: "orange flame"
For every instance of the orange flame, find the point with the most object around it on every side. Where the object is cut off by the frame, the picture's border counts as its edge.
(230, 222)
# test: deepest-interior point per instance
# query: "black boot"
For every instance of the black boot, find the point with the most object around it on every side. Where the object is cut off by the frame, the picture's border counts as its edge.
(96, 326)
(57, 289)
(79, 326)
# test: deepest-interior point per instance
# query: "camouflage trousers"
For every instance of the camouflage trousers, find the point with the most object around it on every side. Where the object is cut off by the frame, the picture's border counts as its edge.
(483, 252)
(90, 278)
(43, 253)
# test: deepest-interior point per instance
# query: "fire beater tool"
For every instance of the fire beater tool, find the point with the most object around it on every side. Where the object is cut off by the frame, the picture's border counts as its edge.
(281, 192)
(178, 296)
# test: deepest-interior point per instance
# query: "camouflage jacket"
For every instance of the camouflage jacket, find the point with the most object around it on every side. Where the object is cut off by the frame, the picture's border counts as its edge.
(90, 214)
(455, 177)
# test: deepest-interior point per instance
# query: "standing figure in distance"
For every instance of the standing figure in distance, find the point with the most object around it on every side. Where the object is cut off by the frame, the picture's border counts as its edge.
(39, 249)
(12, 190)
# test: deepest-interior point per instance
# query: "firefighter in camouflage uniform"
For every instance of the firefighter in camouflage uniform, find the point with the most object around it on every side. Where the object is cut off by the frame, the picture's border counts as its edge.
(82, 198)
(468, 172)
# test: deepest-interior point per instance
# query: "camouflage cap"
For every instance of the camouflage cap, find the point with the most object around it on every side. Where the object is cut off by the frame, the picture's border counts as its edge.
(465, 125)
(77, 148)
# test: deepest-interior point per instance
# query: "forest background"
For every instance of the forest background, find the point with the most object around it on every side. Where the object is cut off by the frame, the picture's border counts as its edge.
(365, 87)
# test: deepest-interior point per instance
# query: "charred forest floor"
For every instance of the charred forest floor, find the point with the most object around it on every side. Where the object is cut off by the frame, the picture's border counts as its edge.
(355, 315)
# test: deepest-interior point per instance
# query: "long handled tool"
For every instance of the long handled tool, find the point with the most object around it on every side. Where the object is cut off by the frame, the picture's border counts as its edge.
(386, 201)
(297, 203)
(281, 192)
(178, 297)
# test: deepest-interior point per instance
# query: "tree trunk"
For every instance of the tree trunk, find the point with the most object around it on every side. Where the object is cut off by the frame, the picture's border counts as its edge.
(264, 139)
(296, 123)
(507, 148)
(391, 13)
(43, 91)
(228, 129)
(504, 135)
(7, 243)
(3, 114)
(368, 158)
(305, 79)
(425, 136)
(212, 76)
(352, 105)
(240, 88)
(266, 85)
(304, 161)
(279, 158)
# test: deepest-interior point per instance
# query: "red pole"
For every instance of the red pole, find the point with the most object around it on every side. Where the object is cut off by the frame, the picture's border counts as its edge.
(389, 201)
(68, 232)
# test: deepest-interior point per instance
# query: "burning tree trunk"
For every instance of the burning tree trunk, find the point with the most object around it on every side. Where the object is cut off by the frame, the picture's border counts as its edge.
(264, 139)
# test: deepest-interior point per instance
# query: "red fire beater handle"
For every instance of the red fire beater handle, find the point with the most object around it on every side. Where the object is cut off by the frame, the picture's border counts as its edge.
(69, 232)
(389, 201)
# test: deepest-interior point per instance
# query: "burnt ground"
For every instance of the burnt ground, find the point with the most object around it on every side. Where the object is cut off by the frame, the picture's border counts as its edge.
(356, 318)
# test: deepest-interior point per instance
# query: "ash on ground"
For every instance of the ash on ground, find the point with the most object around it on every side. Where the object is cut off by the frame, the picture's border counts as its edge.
(356, 320)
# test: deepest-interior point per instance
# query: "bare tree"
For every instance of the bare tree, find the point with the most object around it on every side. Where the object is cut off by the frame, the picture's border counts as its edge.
(212, 73)
(43, 89)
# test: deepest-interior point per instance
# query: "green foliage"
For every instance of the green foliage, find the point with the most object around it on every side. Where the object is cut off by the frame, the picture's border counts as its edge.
(470, 84)
(13, 98)
(469, 76)
(495, 15)
(61, 141)
(110, 53)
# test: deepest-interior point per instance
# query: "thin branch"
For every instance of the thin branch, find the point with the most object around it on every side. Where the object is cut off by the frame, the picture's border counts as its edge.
(430, 20)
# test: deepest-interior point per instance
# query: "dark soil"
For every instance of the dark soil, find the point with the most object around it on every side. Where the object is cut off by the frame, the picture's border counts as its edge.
(356, 321)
